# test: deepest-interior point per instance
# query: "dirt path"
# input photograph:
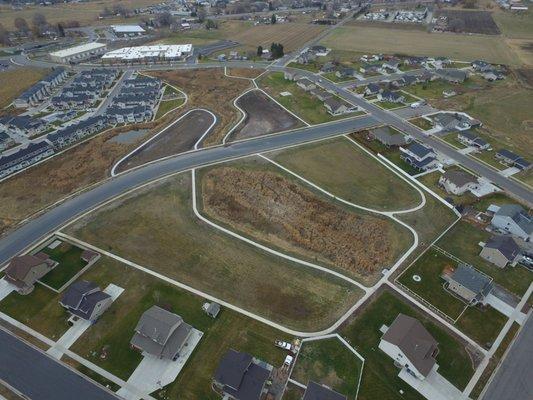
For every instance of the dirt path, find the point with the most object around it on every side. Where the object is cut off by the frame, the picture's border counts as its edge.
(263, 116)
(177, 138)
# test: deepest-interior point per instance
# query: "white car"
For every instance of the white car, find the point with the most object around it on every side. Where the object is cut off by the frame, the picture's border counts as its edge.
(417, 104)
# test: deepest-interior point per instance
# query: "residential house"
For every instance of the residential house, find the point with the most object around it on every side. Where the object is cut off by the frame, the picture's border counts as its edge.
(130, 114)
(345, 72)
(415, 61)
(306, 58)
(512, 159)
(85, 300)
(501, 251)
(419, 156)
(161, 333)
(240, 376)
(75, 132)
(321, 94)
(370, 68)
(469, 284)
(392, 64)
(454, 121)
(32, 96)
(24, 157)
(390, 96)
(315, 391)
(372, 89)
(328, 67)
(411, 346)
(455, 76)
(319, 51)
(23, 125)
(5, 141)
(291, 76)
(337, 107)
(306, 84)
(24, 271)
(493, 75)
(388, 138)
(468, 138)
(513, 219)
(458, 182)
(481, 66)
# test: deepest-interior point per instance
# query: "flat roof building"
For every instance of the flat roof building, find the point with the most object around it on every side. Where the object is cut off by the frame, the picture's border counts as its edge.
(162, 52)
(78, 53)
(128, 30)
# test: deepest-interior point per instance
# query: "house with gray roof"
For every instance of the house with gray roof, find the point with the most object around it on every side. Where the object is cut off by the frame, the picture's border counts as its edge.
(240, 376)
(458, 182)
(85, 300)
(388, 138)
(321, 94)
(24, 157)
(508, 157)
(345, 72)
(315, 391)
(372, 88)
(455, 76)
(336, 106)
(410, 345)
(501, 251)
(306, 84)
(328, 67)
(513, 219)
(469, 284)
(453, 121)
(419, 156)
(469, 138)
(161, 333)
(390, 96)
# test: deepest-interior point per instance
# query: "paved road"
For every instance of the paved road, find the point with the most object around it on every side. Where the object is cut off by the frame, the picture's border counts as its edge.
(514, 378)
(39, 377)
(37, 228)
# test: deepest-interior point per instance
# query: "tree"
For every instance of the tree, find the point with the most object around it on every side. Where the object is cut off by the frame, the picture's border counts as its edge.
(39, 20)
(273, 19)
(270, 6)
(60, 30)
(201, 14)
(259, 51)
(211, 24)
(165, 19)
(21, 25)
(276, 50)
(4, 35)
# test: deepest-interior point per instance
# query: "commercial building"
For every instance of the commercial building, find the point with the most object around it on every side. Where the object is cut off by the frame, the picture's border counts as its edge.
(127, 30)
(79, 53)
(162, 52)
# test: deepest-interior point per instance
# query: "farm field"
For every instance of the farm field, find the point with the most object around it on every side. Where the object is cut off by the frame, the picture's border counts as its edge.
(328, 362)
(15, 81)
(463, 242)
(469, 21)
(481, 324)
(261, 201)
(179, 137)
(380, 380)
(300, 102)
(413, 42)
(85, 13)
(516, 26)
(210, 89)
(263, 116)
(340, 167)
(171, 241)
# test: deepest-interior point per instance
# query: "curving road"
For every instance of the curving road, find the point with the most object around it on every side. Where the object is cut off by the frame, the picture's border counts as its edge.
(37, 228)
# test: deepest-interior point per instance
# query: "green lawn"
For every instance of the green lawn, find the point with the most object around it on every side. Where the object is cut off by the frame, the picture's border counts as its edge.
(307, 107)
(343, 169)
(422, 123)
(167, 105)
(483, 324)
(462, 241)
(380, 380)
(170, 240)
(293, 392)
(328, 362)
(332, 76)
(114, 330)
(431, 90)
(432, 182)
(389, 105)
(312, 67)
(69, 264)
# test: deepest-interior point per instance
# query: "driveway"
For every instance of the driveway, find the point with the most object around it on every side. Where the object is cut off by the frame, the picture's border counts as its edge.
(153, 373)
(434, 387)
(6, 288)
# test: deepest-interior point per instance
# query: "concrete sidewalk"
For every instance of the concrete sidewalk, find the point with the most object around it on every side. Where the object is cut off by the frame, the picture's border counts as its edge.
(6, 288)
(434, 387)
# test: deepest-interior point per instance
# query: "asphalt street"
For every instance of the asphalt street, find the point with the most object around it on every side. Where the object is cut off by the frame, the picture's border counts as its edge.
(39, 377)
(514, 378)
(56, 217)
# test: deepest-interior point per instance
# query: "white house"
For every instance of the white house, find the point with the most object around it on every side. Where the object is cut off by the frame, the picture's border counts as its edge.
(513, 219)
(458, 182)
(411, 346)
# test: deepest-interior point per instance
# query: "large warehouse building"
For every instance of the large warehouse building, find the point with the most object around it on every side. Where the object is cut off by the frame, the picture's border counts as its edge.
(127, 30)
(78, 53)
(162, 52)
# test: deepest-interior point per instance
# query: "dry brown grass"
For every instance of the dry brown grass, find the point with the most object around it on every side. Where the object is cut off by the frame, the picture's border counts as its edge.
(81, 166)
(251, 73)
(272, 208)
(15, 81)
(209, 89)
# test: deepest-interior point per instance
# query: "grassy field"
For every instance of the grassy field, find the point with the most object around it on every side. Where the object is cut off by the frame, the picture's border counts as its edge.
(380, 380)
(114, 330)
(462, 241)
(40, 310)
(15, 81)
(481, 324)
(85, 13)
(328, 362)
(167, 105)
(516, 26)
(344, 170)
(307, 107)
(262, 202)
(415, 42)
(170, 240)
(69, 264)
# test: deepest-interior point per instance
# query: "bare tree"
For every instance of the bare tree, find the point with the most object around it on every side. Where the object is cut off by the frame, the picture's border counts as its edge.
(21, 25)
(4, 35)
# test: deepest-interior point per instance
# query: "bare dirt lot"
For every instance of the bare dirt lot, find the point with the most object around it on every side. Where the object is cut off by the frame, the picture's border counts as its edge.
(210, 89)
(250, 73)
(464, 21)
(274, 209)
(179, 137)
(263, 116)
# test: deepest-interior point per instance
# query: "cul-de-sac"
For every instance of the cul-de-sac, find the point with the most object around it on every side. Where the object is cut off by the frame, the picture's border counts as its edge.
(266, 200)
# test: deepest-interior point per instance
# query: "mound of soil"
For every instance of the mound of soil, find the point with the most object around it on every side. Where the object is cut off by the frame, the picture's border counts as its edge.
(272, 208)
